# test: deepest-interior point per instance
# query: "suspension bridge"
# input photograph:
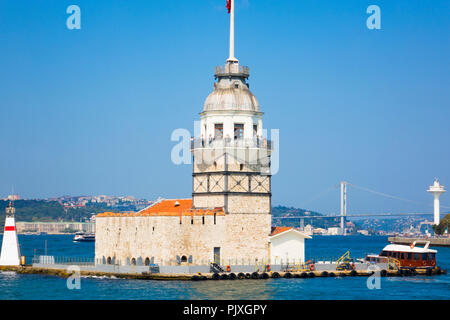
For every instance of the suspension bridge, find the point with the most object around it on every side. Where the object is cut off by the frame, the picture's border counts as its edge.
(343, 210)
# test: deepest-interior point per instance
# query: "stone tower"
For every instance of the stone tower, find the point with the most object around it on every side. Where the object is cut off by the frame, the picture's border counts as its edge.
(232, 161)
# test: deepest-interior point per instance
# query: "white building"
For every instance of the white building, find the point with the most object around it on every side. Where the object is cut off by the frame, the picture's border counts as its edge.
(334, 231)
(287, 244)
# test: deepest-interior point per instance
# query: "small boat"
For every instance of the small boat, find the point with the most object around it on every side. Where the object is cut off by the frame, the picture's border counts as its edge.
(84, 237)
(410, 257)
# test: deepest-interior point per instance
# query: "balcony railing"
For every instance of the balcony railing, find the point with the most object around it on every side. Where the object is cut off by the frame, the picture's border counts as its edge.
(232, 70)
(262, 143)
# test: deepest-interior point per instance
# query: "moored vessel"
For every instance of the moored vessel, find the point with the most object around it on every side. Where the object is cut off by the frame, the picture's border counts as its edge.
(406, 257)
(84, 237)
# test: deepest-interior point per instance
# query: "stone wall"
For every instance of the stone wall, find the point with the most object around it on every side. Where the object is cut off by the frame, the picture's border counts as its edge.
(162, 238)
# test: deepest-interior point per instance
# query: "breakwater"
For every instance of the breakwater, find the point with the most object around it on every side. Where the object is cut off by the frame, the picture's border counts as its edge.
(434, 242)
(66, 272)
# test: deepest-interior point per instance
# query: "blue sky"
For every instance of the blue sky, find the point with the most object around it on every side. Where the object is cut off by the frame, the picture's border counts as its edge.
(91, 111)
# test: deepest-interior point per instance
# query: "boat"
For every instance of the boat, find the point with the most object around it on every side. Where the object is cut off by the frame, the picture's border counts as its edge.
(406, 257)
(84, 237)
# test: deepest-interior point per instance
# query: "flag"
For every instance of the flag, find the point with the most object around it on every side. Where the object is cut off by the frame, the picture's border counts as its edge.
(229, 5)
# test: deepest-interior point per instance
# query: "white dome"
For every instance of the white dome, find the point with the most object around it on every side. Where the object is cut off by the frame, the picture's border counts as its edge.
(231, 95)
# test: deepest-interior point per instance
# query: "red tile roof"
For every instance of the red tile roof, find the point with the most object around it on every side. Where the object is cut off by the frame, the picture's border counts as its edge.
(173, 207)
(277, 230)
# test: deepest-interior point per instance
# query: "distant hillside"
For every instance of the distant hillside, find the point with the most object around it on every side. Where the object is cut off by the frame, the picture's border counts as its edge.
(282, 211)
(40, 210)
(46, 211)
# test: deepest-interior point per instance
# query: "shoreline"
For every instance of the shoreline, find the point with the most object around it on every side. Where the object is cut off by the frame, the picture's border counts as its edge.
(63, 273)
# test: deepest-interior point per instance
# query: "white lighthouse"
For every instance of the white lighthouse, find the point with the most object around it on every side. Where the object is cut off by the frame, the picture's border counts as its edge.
(436, 189)
(10, 255)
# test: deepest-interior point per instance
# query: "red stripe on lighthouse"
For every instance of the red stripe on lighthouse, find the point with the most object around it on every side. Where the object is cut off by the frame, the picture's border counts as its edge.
(9, 228)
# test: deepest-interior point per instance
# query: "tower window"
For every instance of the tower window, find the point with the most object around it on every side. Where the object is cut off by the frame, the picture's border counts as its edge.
(203, 219)
(238, 131)
(255, 130)
(218, 130)
(241, 167)
(214, 218)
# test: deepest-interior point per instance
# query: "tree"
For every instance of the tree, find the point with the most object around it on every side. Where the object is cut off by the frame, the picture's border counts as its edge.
(440, 228)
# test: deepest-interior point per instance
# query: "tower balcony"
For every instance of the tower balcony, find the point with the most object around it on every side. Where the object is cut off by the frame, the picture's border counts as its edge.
(232, 70)
(222, 143)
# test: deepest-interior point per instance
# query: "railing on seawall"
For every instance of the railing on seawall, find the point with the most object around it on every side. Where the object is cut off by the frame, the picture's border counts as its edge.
(63, 260)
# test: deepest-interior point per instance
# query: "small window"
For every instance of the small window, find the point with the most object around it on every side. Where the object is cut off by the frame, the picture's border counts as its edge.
(416, 256)
(214, 218)
(192, 220)
(147, 261)
(255, 130)
(409, 256)
(203, 220)
(108, 261)
(238, 131)
(218, 130)
(183, 259)
(236, 84)
(241, 167)
(133, 261)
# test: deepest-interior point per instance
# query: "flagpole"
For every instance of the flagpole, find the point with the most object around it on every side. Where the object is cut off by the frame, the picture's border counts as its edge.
(232, 58)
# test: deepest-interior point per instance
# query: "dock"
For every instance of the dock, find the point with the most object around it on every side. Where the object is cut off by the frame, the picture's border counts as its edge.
(65, 273)
(434, 242)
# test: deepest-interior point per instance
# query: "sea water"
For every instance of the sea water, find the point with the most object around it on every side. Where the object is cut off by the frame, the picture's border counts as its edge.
(31, 286)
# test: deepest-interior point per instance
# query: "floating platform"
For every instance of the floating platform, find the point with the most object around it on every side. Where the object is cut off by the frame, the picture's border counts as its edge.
(434, 242)
(225, 275)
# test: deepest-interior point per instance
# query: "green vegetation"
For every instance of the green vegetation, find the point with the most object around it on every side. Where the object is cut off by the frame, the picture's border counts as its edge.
(50, 211)
(282, 211)
(443, 225)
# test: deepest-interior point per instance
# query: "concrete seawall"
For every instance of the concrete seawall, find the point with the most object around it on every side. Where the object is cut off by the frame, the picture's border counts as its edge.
(91, 272)
(434, 242)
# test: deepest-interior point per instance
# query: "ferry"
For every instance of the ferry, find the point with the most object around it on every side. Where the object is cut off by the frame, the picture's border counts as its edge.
(84, 237)
(406, 257)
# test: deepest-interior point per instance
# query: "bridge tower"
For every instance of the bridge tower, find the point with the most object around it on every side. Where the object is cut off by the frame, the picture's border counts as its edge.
(343, 204)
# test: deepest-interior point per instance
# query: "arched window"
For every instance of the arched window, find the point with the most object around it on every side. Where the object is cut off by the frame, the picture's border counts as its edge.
(183, 259)
(147, 261)
(133, 261)
(108, 261)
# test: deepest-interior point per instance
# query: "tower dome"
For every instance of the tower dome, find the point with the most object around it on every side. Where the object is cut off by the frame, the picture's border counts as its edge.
(231, 92)
(231, 95)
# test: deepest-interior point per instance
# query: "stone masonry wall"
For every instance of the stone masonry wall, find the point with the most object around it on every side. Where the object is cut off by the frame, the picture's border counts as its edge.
(163, 238)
